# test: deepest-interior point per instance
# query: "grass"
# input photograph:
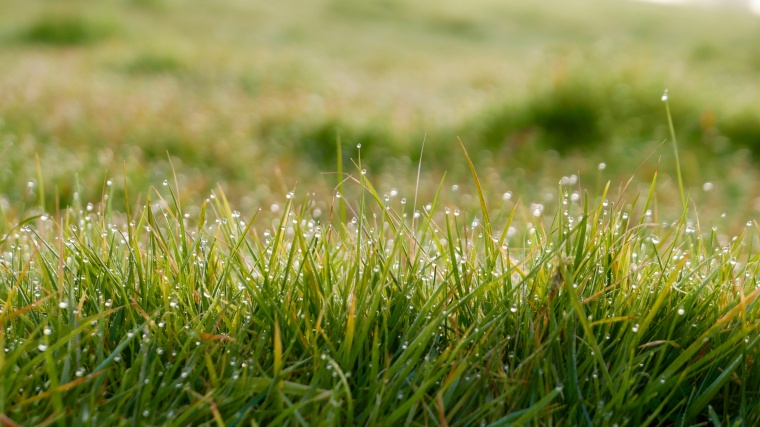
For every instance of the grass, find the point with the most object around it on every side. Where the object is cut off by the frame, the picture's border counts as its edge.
(67, 30)
(152, 63)
(532, 281)
(414, 312)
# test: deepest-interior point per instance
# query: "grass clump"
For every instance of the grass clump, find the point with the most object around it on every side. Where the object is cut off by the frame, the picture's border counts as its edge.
(744, 130)
(154, 63)
(598, 313)
(67, 29)
(568, 115)
(574, 112)
(316, 141)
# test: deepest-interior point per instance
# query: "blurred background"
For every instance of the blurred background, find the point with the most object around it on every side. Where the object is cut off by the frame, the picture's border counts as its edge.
(254, 95)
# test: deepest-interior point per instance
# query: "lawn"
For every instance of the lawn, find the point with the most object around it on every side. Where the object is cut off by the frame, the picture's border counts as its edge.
(381, 213)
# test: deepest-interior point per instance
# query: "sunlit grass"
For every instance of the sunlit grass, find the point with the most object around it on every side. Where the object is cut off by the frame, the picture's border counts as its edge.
(528, 282)
(601, 312)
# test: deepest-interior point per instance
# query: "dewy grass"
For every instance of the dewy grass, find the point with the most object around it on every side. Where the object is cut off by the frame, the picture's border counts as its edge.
(601, 314)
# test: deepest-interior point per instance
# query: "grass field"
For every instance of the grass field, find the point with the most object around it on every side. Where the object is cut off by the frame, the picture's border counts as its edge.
(242, 213)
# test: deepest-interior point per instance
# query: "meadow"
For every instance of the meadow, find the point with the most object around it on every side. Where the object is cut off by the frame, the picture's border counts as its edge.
(380, 213)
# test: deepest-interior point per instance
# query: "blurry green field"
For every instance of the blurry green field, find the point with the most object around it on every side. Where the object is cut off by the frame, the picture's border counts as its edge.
(253, 95)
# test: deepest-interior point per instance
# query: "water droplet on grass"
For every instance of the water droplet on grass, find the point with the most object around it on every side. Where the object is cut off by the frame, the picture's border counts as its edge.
(681, 311)
(63, 304)
(42, 347)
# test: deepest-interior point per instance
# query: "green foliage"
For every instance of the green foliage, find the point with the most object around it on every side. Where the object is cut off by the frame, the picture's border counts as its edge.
(67, 29)
(317, 142)
(568, 115)
(744, 130)
(576, 114)
(457, 26)
(156, 63)
(154, 5)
